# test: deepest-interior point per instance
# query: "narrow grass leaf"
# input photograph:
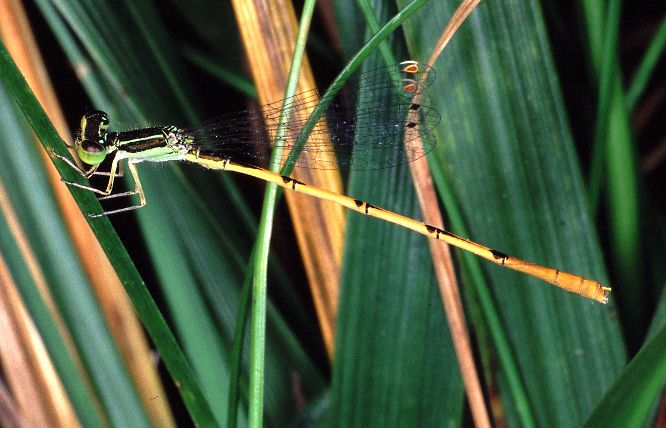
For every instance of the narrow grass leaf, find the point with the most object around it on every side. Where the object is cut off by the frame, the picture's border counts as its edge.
(123, 265)
(505, 149)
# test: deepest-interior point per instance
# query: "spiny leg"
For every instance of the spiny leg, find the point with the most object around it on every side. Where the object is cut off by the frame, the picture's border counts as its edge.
(115, 171)
(138, 189)
(112, 174)
(75, 167)
(119, 173)
(109, 186)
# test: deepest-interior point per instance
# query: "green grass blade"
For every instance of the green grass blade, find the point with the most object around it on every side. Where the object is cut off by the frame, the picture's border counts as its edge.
(73, 381)
(614, 167)
(216, 262)
(210, 65)
(145, 17)
(141, 298)
(270, 199)
(75, 386)
(505, 149)
(205, 349)
(72, 294)
(629, 399)
(489, 311)
(394, 362)
(646, 68)
(264, 232)
(352, 65)
(608, 73)
(237, 349)
(215, 266)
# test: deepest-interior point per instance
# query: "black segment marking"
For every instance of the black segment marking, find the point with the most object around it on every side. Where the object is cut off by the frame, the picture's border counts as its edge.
(361, 204)
(447, 233)
(225, 164)
(414, 106)
(499, 256)
(288, 180)
(557, 275)
(436, 230)
(411, 124)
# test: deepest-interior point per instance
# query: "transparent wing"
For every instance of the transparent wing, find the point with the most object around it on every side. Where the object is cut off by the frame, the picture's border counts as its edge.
(380, 129)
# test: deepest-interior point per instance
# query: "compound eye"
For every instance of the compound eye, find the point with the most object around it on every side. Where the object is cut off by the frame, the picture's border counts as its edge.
(94, 125)
(104, 119)
(103, 126)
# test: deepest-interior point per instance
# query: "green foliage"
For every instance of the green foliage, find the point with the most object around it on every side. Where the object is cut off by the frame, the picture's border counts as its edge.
(508, 175)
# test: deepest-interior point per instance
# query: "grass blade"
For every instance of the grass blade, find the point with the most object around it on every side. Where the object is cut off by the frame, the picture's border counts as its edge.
(505, 150)
(143, 302)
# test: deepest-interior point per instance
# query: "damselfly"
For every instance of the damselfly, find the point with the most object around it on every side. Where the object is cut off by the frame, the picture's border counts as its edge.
(390, 127)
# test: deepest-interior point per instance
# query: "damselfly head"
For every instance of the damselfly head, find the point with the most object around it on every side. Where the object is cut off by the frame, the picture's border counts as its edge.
(90, 143)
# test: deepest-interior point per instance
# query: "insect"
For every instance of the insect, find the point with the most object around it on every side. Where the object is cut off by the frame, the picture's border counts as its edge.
(391, 127)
